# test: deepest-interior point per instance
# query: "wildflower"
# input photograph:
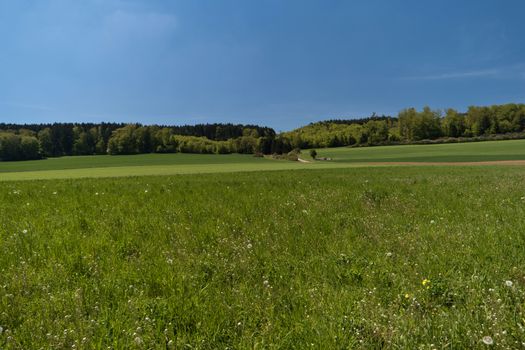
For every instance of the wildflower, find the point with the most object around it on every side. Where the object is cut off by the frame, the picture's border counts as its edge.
(432, 222)
(169, 261)
(407, 296)
(487, 340)
(305, 211)
(425, 282)
(55, 192)
(249, 246)
(138, 340)
(24, 231)
(145, 191)
(508, 283)
(389, 254)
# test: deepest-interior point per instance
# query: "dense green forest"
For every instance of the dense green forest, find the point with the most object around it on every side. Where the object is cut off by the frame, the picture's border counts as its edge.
(20, 142)
(412, 126)
(34, 141)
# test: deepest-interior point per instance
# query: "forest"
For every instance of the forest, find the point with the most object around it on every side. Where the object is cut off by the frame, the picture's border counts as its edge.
(35, 141)
(412, 126)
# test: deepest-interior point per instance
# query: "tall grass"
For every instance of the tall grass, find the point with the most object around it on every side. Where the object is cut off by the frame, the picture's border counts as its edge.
(346, 258)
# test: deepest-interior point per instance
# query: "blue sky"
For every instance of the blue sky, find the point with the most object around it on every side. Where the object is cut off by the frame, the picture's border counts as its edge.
(281, 63)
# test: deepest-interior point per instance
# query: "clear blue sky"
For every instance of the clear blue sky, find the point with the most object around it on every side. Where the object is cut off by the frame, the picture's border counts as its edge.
(281, 63)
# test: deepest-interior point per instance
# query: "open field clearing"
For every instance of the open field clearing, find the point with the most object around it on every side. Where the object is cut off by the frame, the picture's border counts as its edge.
(183, 163)
(451, 152)
(404, 257)
(106, 161)
(174, 169)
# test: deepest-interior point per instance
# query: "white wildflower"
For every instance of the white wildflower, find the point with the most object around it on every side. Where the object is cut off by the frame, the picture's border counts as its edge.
(508, 283)
(487, 340)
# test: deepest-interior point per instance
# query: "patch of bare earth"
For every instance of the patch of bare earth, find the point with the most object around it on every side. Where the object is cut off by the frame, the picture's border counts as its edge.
(492, 162)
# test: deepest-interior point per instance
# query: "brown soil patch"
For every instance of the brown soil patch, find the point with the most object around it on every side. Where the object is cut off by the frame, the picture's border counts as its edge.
(492, 162)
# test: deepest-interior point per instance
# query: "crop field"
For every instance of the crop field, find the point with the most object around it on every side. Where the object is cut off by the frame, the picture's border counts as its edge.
(375, 257)
(182, 163)
(451, 152)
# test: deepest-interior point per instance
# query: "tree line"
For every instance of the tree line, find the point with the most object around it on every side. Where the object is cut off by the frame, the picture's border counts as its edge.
(34, 141)
(413, 126)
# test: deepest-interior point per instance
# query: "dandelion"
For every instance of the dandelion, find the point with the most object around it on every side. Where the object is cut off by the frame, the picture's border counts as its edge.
(508, 283)
(487, 340)
(407, 296)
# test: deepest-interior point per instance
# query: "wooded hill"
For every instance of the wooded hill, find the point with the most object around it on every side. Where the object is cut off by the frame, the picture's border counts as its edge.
(412, 126)
(34, 141)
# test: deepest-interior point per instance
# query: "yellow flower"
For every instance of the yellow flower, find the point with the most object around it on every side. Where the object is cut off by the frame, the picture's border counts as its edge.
(425, 282)
(407, 295)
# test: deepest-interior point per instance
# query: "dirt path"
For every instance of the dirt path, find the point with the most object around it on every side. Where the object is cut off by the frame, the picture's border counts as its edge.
(492, 162)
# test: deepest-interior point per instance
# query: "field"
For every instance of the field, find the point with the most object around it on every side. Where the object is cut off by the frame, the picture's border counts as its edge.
(171, 164)
(341, 258)
(451, 152)
(395, 257)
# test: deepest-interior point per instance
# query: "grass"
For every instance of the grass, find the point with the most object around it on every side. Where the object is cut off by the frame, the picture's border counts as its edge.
(106, 161)
(330, 258)
(171, 164)
(452, 152)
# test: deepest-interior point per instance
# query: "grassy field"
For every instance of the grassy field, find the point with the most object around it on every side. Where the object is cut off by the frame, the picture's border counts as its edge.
(171, 164)
(452, 152)
(335, 258)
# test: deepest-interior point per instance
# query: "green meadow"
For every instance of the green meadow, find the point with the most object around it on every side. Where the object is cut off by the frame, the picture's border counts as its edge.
(451, 152)
(365, 258)
(183, 163)
(238, 252)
